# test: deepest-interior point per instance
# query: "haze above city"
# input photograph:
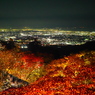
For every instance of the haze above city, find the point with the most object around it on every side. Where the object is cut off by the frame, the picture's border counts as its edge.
(47, 14)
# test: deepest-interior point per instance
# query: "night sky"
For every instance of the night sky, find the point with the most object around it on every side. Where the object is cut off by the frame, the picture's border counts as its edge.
(47, 13)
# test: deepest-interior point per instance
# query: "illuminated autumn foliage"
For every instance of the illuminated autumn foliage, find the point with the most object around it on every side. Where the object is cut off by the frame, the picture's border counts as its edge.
(7, 61)
(71, 75)
(23, 65)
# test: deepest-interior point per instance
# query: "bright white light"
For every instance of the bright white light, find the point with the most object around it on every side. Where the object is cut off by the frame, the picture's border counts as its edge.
(48, 39)
(24, 46)
(2, 30)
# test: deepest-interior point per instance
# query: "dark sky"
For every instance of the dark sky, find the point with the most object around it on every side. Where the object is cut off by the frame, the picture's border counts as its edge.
(47, 13)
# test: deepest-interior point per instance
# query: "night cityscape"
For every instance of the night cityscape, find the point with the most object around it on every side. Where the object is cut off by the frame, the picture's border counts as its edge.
(47, 47)
(47, 36)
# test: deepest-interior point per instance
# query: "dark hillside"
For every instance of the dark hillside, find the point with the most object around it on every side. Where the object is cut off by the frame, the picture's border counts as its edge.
(60, 51)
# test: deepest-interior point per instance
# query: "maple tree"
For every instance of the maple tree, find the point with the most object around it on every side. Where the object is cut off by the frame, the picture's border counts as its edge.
(70, 75)
(23, 65)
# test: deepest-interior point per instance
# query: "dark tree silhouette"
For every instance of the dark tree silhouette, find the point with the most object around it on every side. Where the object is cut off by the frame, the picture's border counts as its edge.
(8, 44)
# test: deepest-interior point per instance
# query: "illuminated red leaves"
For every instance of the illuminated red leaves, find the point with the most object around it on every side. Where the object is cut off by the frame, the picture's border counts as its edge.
(71, 75)
(30, 60)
